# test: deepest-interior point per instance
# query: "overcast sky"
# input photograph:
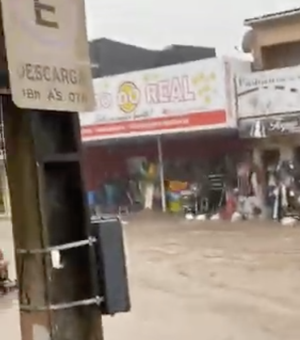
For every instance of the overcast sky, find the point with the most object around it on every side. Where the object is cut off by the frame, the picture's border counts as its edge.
(158, 23)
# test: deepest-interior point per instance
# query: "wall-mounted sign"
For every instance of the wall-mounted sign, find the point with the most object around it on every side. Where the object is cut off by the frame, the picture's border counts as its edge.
(268, 92)
(271, 126)
(47, 54)
(190, 96)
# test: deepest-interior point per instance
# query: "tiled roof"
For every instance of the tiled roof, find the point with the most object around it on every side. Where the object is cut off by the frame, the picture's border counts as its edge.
(272, 16)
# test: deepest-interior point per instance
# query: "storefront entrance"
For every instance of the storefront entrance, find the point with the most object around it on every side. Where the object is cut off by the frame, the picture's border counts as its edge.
(178, 173)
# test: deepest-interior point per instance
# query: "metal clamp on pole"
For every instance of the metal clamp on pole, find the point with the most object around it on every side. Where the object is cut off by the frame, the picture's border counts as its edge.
(89, 242)
(93, 301)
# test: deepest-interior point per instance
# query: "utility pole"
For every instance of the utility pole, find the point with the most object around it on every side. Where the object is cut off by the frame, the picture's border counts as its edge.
(49, 213)
(48, 209)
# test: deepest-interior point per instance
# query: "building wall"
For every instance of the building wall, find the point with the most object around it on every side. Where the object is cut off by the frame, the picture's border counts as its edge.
(273, 33)
(277, 44)
(282, 55)
(114, 57)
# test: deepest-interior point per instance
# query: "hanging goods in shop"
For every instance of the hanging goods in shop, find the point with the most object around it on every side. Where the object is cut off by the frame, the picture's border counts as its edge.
(285, 196)
(249, 202)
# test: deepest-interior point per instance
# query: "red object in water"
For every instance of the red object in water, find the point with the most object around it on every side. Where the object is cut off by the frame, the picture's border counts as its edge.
(230, 206)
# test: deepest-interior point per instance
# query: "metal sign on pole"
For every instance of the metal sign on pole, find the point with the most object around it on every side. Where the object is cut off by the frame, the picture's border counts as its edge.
(48, 54)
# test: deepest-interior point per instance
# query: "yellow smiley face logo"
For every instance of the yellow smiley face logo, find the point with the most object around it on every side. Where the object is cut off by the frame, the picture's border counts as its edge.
(128, 97)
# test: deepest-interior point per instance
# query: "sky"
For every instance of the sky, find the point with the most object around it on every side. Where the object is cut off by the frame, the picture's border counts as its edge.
(159, 23)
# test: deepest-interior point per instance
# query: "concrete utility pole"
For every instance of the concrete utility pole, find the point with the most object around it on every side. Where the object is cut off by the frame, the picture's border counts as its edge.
(49, 210)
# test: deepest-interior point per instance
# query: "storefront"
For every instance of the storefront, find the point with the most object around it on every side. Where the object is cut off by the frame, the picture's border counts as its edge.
(160, 127)
(268, 105)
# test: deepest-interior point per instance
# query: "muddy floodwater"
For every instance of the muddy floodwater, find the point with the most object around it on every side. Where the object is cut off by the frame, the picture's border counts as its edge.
(200, 280)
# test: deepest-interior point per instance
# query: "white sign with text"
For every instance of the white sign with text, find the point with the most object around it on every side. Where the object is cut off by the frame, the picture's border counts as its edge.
(189, 96)
(268, 92)
(48, 55)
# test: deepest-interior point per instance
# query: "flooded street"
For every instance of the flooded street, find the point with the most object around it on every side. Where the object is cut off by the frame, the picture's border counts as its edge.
(195, 280)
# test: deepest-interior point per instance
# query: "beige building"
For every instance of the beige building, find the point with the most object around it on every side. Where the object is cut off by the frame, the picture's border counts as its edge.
(274, 39)
(273, 89)
(268, 98)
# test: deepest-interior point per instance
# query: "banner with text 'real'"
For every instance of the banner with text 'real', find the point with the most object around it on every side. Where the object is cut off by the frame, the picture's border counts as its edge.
(47, 54)
(169, 99)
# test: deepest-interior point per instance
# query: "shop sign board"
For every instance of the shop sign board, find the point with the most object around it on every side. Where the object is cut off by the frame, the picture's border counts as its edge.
(177, 98)
(47, 54)
(268, 92)
(269, 126)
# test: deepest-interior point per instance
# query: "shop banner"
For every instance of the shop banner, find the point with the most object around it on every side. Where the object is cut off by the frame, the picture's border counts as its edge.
(190, 96)
(268, 92)
(271, 126)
